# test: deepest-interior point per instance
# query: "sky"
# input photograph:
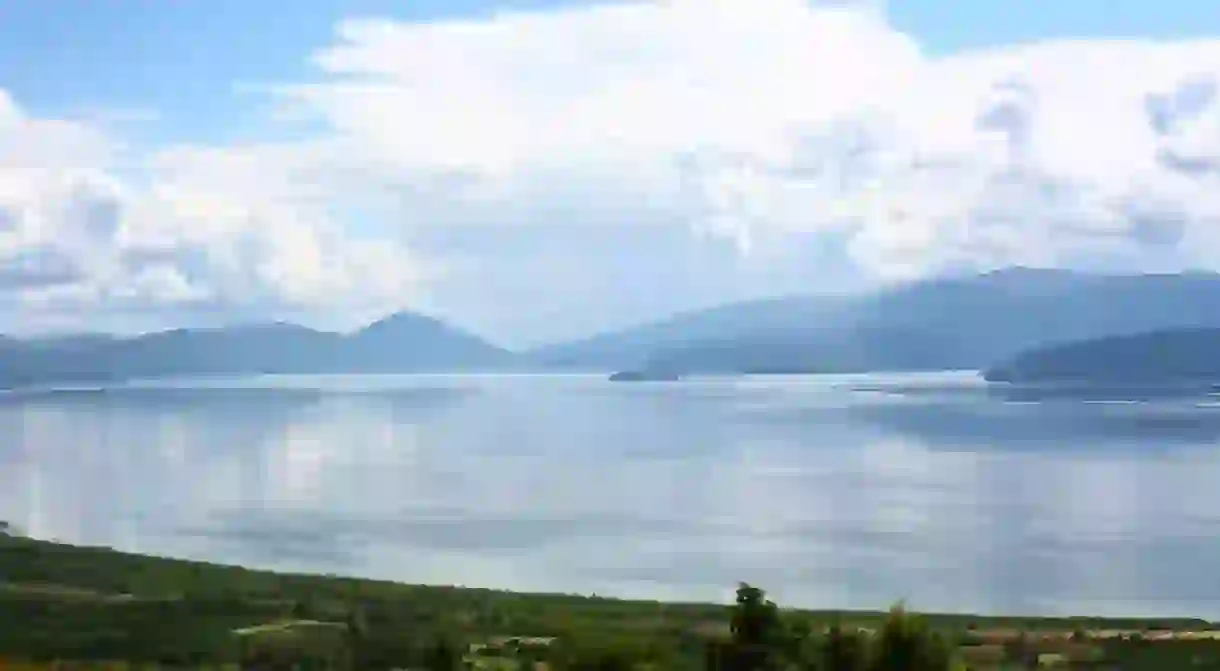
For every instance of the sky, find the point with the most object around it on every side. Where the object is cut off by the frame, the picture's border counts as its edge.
(542, 170)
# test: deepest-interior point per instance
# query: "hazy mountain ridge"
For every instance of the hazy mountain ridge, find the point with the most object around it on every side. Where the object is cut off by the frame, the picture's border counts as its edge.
(404, 342)
(969, 322)
(1174, 356)
(434, 343)
(803, 352)
(634, 346)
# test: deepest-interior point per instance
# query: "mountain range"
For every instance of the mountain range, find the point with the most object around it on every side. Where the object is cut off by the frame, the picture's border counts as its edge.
(403, 342)
(1188, 356)
(968, 322)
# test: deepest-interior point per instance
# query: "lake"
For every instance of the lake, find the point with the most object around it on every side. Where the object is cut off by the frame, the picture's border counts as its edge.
(828, 491)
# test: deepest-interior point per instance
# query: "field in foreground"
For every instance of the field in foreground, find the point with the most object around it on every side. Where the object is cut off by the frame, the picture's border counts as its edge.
(67, 602)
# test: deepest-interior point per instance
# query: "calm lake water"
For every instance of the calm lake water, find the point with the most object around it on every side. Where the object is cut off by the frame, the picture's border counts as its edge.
(827, 491)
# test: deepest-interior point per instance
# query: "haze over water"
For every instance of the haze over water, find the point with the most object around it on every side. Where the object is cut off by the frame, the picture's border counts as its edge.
(827, 491)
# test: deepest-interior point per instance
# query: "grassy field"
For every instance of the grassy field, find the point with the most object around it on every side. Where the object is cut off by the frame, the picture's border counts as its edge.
(60, 601)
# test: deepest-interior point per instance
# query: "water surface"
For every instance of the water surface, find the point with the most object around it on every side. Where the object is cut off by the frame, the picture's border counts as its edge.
(846, 491)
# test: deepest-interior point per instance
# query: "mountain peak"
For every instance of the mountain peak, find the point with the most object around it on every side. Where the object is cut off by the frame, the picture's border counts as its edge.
(404, 319)
(408, 336)
(1028, 272)
(401, 343)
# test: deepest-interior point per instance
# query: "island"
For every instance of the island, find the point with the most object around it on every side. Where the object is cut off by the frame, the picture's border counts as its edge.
(1186, 357)
(645, 375)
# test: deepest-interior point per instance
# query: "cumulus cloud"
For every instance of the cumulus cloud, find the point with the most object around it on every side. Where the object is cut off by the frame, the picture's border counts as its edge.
(772, 120)
(81, 247)
(707, 150)
(785, 114)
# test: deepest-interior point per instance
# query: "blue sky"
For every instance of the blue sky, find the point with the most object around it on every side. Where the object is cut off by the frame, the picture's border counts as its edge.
(541, 174)
(946, 25)
(196, 63)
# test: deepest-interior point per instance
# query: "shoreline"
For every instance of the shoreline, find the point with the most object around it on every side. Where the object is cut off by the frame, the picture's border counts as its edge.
(91, 605)
(1112, 624)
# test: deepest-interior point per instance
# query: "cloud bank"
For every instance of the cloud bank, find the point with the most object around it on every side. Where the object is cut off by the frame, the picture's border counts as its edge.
(540, 174)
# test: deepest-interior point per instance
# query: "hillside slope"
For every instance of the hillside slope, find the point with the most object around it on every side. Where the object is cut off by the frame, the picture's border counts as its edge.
(1158, 357)
(938, 324)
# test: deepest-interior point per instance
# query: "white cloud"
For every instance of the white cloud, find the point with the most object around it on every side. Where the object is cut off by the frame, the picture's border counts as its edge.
(506, 147)
(81, 247)
(751, 118)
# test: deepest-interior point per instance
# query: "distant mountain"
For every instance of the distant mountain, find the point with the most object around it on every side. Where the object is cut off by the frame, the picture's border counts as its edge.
(1165, 357)
(633, 347)
(992, 317)
(806, 351)
(407, 341)
(946, 323)
(404, 342)
(68, 341)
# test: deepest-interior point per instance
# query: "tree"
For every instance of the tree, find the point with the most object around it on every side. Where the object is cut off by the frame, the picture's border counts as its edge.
(1019, 648)
(442, 656)
(906, 643)
(758, 634)
(843, 650)
(600, 660)
(755, 618)
(357, 638)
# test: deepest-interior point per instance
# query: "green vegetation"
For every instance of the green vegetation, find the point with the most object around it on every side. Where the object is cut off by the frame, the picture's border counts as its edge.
(61, 602)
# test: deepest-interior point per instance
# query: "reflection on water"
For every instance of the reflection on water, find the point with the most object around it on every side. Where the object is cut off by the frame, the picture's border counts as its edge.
(828, 491)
